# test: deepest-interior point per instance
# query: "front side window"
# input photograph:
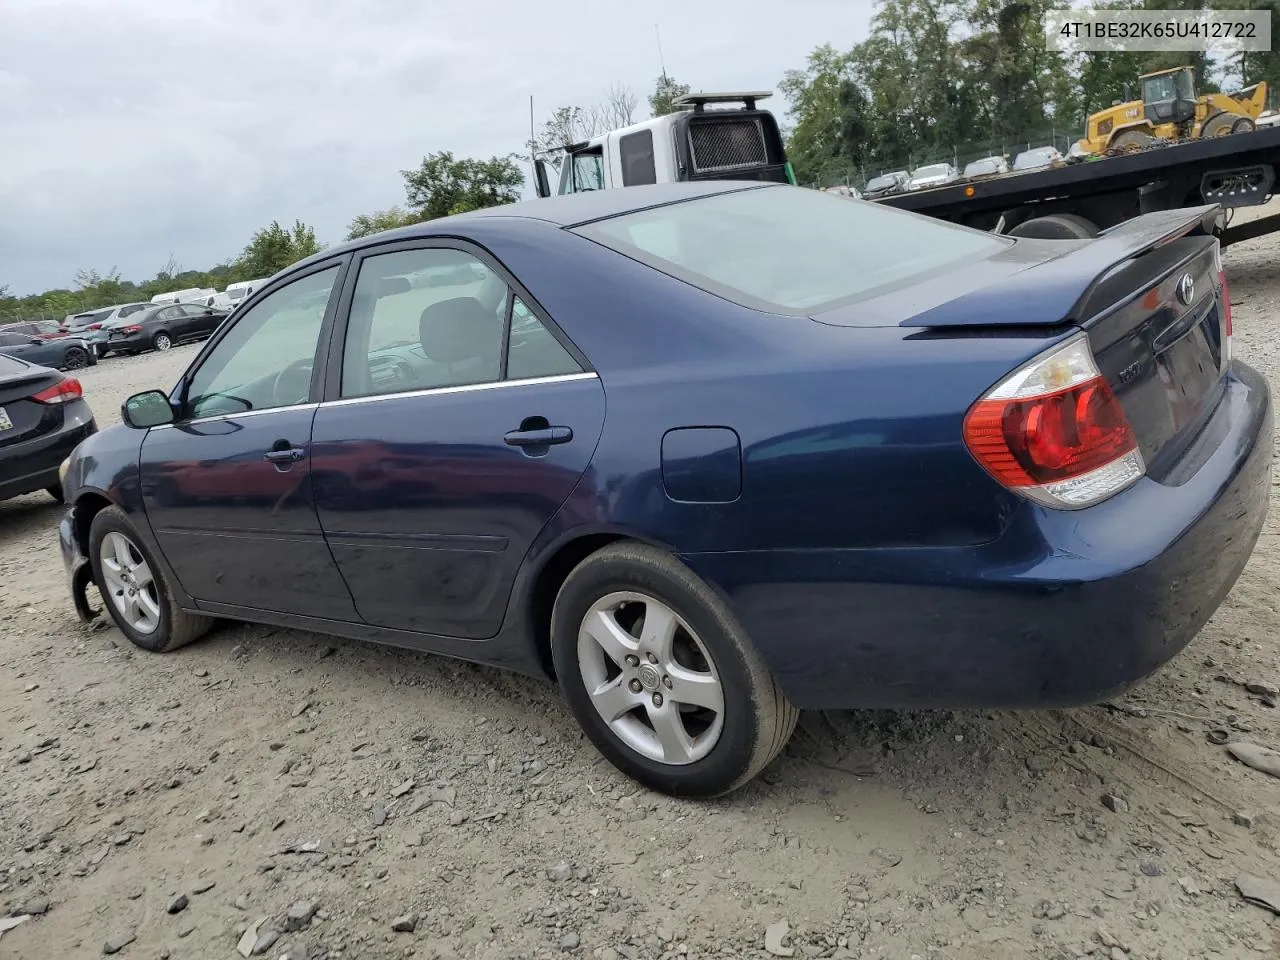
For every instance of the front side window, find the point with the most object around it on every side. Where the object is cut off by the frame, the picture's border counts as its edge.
(582, 171)
(789, 250)
(265, 359)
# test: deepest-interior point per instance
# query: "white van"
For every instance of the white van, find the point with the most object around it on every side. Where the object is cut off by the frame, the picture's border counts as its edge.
(203, 295)
(237, 293)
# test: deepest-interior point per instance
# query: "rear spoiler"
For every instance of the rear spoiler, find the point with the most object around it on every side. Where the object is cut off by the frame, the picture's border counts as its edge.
(1061, 288)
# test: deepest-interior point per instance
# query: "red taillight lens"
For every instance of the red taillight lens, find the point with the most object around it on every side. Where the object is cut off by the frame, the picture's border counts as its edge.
(132, 328)
(64, 391)
(1055, 432)
(95, 326)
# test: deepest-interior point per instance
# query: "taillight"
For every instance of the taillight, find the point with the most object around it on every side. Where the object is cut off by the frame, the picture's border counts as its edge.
(132, 328)
(95, 326)
(1054, 431)
(64, 391)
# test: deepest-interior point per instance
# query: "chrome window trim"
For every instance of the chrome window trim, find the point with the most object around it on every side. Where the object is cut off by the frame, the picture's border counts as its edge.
(464, 388)
(375, 397)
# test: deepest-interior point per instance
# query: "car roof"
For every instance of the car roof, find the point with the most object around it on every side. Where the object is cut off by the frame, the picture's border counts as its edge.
(570, 210)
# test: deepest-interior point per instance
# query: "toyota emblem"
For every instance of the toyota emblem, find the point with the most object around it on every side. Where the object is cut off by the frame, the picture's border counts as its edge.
(1186, 289)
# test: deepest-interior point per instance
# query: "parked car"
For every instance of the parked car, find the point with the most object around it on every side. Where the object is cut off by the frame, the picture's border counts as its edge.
(237, 293)
(90, 326)
(1036, 158)
(65, 353)
(43, 416)
(203, 295)
(159, 328)
(946, 479)
(934, 175)
(886, 184)
(44, 329)
(843, 190)
(986, 167)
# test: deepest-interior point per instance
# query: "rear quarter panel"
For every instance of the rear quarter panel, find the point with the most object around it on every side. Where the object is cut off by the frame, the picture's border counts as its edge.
(849, 437)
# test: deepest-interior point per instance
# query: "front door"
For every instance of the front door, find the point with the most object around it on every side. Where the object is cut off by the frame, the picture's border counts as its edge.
(227, 488)
(446, 454)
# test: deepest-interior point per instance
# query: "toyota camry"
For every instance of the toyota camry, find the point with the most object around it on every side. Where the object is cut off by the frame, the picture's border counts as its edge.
(707, 454)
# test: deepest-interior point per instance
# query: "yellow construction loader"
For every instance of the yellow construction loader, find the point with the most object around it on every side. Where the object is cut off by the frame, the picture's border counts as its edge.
(1169, 109)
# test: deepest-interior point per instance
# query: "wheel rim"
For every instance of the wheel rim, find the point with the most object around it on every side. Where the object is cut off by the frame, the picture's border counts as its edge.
(129, 583)
(76, 359)
(650, 678)
(162, 342)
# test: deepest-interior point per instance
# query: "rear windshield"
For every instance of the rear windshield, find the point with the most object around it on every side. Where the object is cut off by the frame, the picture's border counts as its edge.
(788, 249)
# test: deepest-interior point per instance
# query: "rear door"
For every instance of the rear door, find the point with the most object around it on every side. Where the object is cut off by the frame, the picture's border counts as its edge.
(449, 437)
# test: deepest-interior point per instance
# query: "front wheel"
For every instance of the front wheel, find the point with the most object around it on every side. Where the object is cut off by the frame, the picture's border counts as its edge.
(161, 341)
(662, 678)
(75, 359)
(134, 588)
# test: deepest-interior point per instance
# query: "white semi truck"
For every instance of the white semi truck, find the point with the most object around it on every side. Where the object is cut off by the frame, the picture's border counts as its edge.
(704, 140)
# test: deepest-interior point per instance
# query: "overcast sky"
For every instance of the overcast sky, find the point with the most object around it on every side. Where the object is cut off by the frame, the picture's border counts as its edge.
(132, 129)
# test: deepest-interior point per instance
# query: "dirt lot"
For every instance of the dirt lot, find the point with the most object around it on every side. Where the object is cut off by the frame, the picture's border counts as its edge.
(369, 791)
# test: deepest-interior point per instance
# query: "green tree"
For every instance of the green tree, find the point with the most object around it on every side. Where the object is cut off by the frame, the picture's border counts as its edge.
(379, 220)
(443, 184)
(665, 91)
(275, 247)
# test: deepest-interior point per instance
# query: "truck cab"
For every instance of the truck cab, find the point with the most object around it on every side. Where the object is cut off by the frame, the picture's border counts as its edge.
(694, 143)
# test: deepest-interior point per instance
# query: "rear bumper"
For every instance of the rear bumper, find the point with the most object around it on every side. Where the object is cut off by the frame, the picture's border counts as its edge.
(33, 464)
(134, 341)
(1065, 608)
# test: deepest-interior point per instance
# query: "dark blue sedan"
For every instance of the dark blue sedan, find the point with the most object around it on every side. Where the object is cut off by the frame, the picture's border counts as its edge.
(708, 454)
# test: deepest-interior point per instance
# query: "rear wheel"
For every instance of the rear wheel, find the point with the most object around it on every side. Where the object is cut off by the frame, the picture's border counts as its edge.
(1131, 141)
(75, 359)
(161, 341)
(134, 588)
(1056, 226)
(662, 678)
(1222, 124)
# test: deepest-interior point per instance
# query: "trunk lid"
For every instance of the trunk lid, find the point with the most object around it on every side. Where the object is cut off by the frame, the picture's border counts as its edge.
(1149, 294)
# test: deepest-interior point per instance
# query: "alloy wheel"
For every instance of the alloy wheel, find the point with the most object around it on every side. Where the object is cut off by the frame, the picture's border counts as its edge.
(130, 583)
(651, 678)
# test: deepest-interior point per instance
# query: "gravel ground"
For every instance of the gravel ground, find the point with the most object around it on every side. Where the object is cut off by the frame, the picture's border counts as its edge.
(367, 803)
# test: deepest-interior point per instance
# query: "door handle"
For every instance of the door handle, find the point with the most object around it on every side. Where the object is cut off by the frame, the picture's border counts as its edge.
(289, 455)
(538, 438)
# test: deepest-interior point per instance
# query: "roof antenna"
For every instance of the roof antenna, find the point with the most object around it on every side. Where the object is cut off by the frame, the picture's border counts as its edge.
(661, 62)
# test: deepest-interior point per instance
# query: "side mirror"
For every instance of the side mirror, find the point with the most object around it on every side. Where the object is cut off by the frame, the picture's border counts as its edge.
(541, 180)
(148, 409)
(35, 341)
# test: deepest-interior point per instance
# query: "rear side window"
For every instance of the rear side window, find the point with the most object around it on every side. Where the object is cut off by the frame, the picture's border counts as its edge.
(790, 250)
(11, 340)
(635, 151)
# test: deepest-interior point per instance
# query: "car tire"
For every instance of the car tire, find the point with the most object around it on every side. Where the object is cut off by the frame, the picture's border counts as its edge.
(75, 359)
(55, 491)
(162, 341)
(704, 655)
(159, 625)
(1056, 226)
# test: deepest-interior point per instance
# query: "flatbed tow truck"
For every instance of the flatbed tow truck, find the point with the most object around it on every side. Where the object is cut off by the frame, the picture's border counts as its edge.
(1080, 199)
